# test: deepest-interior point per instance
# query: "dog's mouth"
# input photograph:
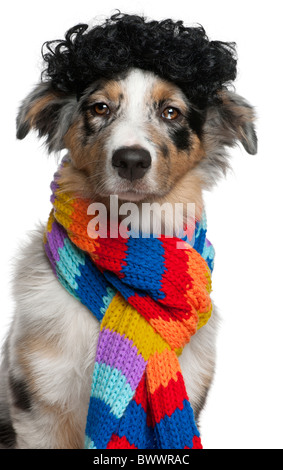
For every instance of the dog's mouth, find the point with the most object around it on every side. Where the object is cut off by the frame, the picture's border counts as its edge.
(133, 192)
(132, 196)
(129, 196)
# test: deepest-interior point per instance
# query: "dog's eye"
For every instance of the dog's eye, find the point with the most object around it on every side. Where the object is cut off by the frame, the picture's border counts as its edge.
(100, 109)
(170, 113)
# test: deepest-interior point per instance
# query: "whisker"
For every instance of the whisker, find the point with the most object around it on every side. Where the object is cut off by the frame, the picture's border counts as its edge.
(95, 173)
(87, 163)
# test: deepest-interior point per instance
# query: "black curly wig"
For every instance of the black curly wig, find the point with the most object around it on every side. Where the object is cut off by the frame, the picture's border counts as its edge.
(180, 54)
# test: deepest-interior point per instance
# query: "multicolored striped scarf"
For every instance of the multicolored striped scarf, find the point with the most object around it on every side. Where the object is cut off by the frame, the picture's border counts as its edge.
(150, 298)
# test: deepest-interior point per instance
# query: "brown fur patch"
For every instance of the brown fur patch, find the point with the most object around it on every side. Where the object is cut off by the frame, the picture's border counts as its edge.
(187, 190)
(163, 91)
(197, 151)
(85, 176)
(71, 138)
(75, 181)
(242, 113)
(38, 106)
(111, 91)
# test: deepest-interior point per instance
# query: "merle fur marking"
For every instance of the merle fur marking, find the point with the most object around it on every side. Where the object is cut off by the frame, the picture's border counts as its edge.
(164, 150)
(180, 137)
(7, 432)
(20, 392)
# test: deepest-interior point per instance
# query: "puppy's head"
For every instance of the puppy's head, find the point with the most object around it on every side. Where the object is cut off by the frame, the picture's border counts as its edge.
(143, 109)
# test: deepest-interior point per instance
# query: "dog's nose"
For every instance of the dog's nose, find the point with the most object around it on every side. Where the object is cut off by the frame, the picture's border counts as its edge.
(131, 162)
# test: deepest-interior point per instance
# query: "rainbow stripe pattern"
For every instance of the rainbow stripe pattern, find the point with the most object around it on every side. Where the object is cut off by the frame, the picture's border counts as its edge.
(150, 298)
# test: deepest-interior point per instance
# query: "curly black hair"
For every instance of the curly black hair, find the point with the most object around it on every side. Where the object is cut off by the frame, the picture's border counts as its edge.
(180, 54)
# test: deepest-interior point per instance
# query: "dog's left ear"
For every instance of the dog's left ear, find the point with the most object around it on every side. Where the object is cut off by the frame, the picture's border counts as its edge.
(231, 121)
(49, 112)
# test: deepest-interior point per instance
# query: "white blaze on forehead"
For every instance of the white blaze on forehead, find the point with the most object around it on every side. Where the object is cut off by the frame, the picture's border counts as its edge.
(130, 129)
(137, 87)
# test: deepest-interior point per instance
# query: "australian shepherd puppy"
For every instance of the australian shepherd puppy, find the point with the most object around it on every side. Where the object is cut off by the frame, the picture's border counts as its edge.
(146, 112)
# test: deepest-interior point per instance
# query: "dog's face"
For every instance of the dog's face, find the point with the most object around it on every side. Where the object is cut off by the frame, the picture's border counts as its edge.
(138, 136)
(133, 136)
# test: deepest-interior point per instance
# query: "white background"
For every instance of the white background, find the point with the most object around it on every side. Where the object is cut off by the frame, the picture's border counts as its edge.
(244, 408)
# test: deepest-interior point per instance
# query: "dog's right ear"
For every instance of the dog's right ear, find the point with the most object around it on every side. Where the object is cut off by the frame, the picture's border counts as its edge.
(49, 112)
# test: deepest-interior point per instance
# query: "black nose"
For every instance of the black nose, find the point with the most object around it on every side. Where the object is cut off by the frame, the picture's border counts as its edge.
(131, 162)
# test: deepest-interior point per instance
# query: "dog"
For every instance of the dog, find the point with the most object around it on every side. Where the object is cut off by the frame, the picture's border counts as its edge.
(145, 111)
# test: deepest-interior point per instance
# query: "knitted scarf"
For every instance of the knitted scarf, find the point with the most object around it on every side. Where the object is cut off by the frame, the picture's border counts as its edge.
(150, 298)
